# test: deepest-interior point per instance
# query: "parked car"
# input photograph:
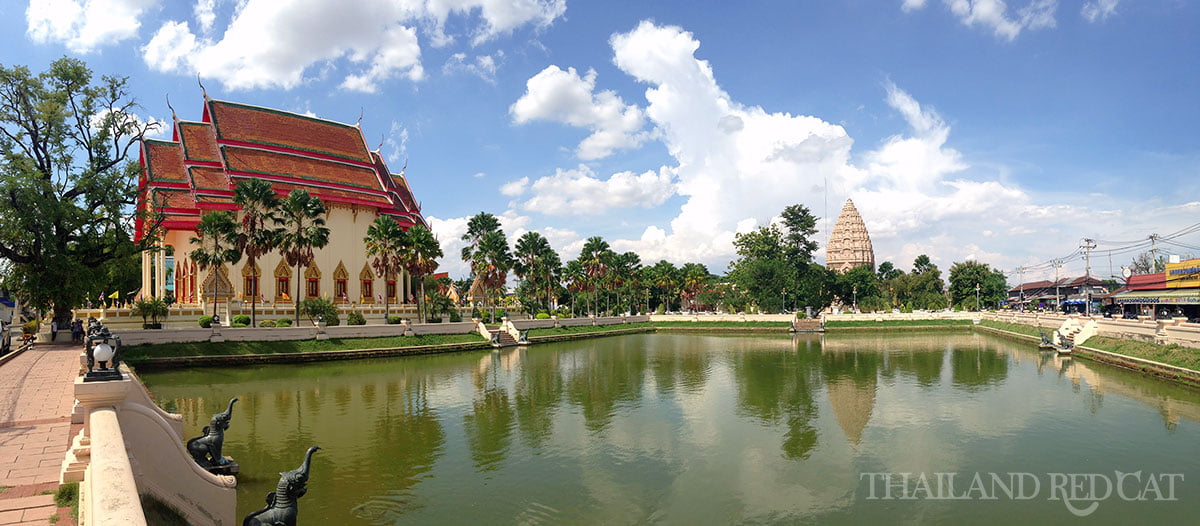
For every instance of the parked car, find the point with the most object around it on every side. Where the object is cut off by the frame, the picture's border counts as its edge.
(5, 338)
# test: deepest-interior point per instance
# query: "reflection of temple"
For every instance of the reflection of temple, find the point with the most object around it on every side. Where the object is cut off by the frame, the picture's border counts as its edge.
(196, 171)
(852, 404)
(849, 244)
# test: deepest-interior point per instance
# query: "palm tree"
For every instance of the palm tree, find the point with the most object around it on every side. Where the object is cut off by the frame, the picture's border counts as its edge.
(419, 257)
(303, 230)
(478, 226)
(491, 262)
(695, 276)
(626, 269)
(385, 240)
(533, 262)
(576, 279)
(259, 229)
(216, 235)
(665, 279)
(595, 259)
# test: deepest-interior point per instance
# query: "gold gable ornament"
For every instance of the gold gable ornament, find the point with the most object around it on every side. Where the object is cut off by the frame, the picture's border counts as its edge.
(282, 270)
(217, 286)
(313, 271)
(249, 271)
(340, 272)
(366, 274)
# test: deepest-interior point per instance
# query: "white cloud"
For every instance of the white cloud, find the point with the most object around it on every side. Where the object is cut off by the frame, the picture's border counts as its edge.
(398, 53)
(994, 14)
(84, 25)
(170, 47)
(269, 44)
(480, 175)
(1099, 10)
(397, 142)
(580, 192)
(483, 66)
(515, 188)
(205, 11)
(563, 96)
(129, 123)
(737, 166)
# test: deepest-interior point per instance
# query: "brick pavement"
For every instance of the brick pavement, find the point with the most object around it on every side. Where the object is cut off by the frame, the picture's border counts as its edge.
(36, 397)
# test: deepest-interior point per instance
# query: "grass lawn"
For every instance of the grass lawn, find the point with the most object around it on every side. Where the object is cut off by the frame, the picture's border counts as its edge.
(141, 352)
(1168, 354)
(1028, 330)
(895, 323)
(702, 323)
(583, 329)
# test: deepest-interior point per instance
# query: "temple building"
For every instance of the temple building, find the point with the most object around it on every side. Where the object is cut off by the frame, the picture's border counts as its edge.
(195, 173)
(849, 244)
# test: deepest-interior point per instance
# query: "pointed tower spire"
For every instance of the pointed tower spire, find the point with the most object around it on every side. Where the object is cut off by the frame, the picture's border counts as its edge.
(849, 243)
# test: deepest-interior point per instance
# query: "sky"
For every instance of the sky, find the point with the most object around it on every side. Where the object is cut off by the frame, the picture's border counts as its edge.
(1005, 132)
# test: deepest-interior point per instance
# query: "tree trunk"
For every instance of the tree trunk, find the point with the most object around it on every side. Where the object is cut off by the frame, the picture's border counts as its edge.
(422, 307)
(254, 299)
(386, 312)
(296, 300)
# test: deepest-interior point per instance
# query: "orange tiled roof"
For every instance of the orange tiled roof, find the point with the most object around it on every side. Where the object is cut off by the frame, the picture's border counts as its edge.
(238, 122)
(329, 192)
(209, 178)
(164, 162)
(171, 198)
(265, 162)
(199, 142)
(213, 199)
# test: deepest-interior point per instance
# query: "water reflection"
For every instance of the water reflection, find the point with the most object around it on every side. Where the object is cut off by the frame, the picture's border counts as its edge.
(662, 427)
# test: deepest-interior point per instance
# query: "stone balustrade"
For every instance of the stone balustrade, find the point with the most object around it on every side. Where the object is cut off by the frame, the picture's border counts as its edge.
(130, 447)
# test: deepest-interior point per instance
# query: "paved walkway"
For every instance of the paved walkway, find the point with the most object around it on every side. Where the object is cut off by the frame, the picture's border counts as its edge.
(36, 397)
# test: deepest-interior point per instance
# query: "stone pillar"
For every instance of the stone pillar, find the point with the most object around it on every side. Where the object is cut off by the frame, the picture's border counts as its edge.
(147, 286)
(160, 272)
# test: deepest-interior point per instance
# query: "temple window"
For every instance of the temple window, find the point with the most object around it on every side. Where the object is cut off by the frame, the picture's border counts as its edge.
(339, 291)
(391, 291)
(314, 288)
(281, 287)
(368, 295)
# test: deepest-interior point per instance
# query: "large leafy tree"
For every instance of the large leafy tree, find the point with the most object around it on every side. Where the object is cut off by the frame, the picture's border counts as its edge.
(259, 229)
(304, 231)
(68, 184)
(964, 275)
(763, 270)
(420, 255)
(217, 244)
(384, 243)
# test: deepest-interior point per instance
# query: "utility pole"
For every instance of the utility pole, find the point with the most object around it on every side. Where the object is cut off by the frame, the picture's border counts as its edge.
(1057, 293)
(1153, 253)
(1088, 245)
(1022, 296)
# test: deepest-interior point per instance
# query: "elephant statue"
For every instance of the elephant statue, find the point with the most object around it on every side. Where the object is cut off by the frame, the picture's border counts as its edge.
(282, 508)
(206, 449)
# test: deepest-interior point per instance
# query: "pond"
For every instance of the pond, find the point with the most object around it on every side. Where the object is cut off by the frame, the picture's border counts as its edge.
(937, 427)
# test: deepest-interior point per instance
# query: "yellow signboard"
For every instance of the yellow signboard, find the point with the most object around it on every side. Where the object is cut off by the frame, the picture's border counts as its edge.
(1185, 274)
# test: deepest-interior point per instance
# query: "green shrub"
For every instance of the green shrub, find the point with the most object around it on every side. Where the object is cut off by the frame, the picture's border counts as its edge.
(662, 309)
(312, 308)
(476, 314)
(31, 327)
(455, 317)
(283, 322)
(542, 315)
(501, 313)
(393, 320)
(242, 319)
(267, 323)
(433, 320)
(801, 315)
(238, 325)
(206, 321)
(355, 318)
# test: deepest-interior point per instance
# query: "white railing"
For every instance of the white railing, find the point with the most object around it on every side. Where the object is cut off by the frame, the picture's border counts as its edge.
(129, 447)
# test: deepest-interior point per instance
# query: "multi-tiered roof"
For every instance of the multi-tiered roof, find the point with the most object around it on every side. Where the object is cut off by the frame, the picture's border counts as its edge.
(195, 172)
(849, 244)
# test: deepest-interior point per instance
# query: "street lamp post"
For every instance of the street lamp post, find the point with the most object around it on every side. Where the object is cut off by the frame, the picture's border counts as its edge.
(977, 307)
(856, 298)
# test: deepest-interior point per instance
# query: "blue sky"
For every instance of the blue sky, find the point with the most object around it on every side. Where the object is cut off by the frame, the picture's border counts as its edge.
(998, 130)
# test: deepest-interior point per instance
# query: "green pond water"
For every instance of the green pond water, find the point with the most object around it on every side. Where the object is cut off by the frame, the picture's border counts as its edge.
(702, 429)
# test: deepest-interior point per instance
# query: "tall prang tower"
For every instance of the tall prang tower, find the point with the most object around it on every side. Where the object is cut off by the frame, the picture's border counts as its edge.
(849, 244)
